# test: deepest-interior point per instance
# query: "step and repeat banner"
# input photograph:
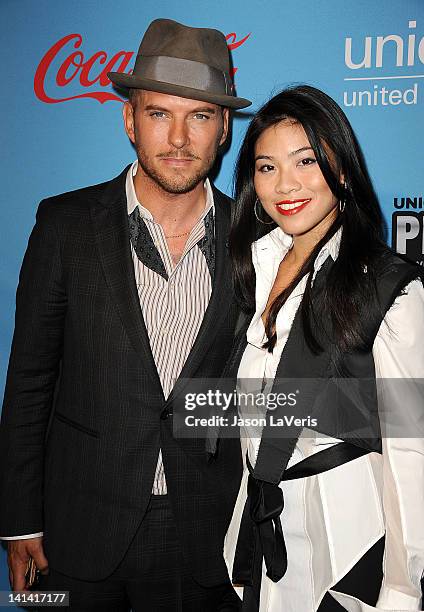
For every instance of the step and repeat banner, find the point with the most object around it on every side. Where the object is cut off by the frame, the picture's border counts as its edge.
(62, 124)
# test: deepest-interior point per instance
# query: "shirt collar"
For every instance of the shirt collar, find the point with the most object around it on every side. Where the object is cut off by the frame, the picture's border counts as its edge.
(277, 243)
(132, 201)
(331, 248)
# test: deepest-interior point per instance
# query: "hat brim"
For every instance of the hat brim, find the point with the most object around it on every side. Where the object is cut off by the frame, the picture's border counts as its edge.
(128, 81)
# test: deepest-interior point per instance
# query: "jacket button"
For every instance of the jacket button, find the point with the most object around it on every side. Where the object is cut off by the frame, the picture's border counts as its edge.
(165, 414)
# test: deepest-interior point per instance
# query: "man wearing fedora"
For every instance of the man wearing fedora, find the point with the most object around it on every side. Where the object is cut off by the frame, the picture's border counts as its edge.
(124, 293)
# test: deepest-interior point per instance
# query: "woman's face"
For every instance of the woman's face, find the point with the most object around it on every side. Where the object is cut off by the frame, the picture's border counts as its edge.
(290, 184)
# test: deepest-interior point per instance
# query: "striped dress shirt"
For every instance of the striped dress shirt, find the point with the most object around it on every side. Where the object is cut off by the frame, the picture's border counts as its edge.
(173, 298)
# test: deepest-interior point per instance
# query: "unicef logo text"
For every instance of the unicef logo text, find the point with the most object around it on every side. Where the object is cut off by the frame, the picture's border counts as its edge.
(389, 68)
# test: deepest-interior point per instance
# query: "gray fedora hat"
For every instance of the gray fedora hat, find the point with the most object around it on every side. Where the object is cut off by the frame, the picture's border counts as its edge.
(183, 61)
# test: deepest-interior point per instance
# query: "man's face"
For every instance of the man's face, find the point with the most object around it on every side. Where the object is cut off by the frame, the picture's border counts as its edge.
(176, 139)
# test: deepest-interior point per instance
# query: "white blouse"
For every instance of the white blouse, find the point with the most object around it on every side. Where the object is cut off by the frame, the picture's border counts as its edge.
(330, 520)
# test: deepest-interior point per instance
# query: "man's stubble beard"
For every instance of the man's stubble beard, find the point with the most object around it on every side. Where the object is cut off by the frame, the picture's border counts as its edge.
(179, 184)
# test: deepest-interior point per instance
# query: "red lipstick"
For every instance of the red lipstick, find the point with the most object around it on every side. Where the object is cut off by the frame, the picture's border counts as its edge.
(291, 207)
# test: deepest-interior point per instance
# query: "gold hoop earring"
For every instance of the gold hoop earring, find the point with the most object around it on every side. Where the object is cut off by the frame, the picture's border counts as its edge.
(257, 216)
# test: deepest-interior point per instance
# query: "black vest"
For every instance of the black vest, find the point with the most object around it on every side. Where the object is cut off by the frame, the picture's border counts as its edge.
(347, 402)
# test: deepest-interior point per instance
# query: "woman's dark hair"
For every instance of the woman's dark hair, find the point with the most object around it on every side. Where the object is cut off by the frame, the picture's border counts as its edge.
(347, 288)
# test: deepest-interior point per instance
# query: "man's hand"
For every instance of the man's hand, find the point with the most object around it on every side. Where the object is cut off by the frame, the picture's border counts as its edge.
(18, 554)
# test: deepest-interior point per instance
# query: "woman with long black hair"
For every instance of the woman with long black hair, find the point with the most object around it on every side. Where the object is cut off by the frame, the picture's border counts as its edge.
(332, 308)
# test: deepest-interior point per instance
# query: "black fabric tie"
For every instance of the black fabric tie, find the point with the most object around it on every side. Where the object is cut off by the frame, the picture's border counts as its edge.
(261, 535)
(148, 253)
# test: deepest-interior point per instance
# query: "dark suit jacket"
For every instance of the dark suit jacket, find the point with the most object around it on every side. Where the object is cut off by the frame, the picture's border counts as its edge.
(88, 482)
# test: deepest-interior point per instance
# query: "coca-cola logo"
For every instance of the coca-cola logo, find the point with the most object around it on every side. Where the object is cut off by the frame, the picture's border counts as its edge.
(65, 63)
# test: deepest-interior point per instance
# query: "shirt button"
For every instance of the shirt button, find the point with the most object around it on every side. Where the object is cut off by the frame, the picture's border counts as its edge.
(165, 331)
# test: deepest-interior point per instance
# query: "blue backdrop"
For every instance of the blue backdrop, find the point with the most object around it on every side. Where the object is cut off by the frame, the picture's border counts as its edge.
(62, 126)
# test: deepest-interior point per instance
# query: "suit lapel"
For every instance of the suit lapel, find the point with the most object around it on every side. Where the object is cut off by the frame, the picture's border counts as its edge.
(221, 296)
(111, 233)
